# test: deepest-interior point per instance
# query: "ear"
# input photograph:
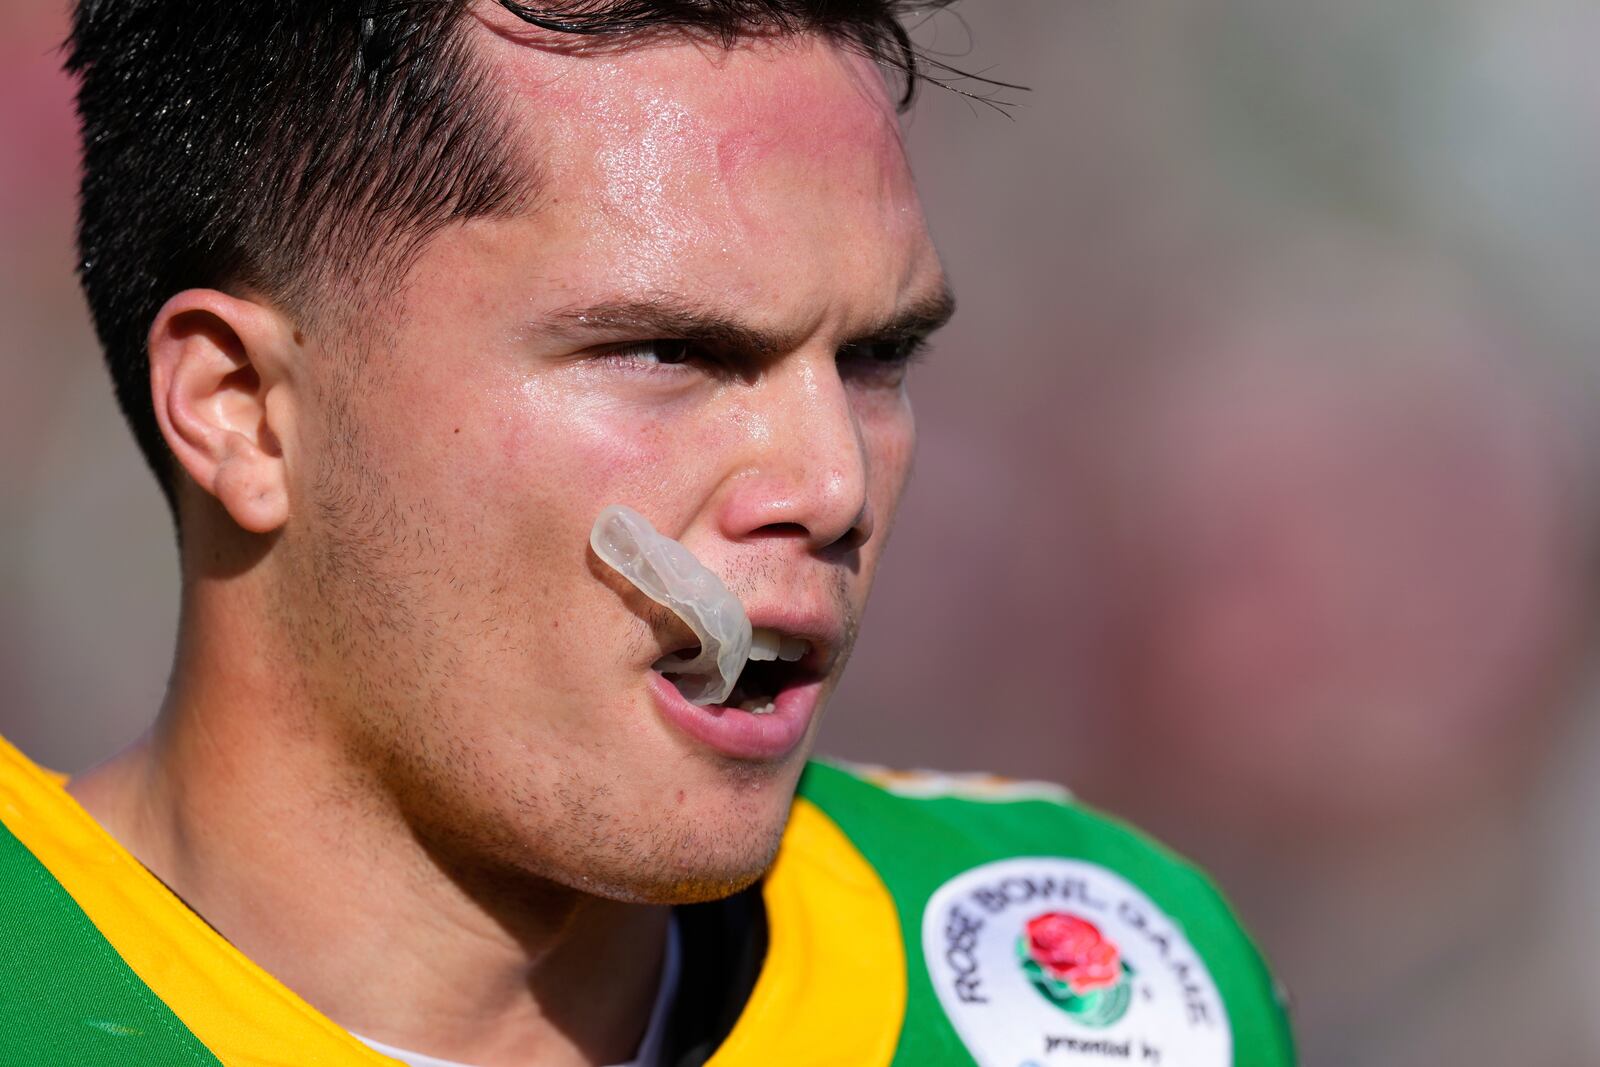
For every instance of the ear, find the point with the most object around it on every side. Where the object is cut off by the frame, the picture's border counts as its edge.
(219, 378)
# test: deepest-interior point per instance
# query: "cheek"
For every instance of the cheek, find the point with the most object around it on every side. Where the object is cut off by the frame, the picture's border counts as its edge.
(889, 436)
(556, 450)
(571, 451)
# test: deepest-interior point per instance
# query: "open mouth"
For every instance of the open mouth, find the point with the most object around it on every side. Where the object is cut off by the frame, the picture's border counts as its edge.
(776, 662)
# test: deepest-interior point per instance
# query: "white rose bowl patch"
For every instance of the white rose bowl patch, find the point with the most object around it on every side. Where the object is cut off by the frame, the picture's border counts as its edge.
(1041, 961)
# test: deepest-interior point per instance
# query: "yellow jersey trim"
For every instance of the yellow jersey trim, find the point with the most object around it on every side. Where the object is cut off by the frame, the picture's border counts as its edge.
(833, 988)
(244, 1016)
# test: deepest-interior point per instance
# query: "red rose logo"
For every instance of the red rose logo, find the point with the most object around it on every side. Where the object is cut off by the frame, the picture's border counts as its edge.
(1071, 950)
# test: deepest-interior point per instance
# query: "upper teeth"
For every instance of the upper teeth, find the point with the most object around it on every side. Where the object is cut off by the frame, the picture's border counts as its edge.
(768, 644)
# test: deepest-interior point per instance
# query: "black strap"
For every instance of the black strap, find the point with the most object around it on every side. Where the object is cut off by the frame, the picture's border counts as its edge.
(724, 946)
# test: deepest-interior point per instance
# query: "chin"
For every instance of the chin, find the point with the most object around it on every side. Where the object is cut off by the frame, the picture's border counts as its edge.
(711, 843)
(699, 872)
(696, 889)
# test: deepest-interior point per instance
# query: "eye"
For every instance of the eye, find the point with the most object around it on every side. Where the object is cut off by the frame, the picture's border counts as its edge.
(881, 362)
(660, 351)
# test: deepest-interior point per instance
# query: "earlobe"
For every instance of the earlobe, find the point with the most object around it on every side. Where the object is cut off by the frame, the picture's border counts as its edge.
(214, 362)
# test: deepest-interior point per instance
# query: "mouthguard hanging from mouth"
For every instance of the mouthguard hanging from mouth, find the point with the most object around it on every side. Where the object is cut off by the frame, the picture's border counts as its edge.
(668, 573)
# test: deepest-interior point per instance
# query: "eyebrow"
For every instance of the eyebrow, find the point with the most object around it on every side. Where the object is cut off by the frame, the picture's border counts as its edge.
(671, 316)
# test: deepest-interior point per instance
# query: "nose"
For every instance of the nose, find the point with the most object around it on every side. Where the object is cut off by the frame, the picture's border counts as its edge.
(804, 469)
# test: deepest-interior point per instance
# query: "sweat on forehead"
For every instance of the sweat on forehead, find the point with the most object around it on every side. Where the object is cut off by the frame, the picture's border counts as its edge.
(680, 158)
(814, 95)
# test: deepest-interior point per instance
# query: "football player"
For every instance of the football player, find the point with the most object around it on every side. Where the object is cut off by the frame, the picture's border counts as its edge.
(398, 296)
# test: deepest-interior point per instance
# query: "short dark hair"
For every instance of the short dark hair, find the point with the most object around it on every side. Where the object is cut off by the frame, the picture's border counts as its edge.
(287, 146)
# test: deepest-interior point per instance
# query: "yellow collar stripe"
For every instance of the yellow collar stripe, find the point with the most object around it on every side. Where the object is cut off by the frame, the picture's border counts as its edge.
(238, 1011)
(832, 989)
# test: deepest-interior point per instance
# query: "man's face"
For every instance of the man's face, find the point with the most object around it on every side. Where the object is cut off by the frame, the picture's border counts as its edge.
(488, 670)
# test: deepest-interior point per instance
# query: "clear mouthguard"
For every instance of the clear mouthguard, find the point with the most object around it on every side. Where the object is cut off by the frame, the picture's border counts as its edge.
(668, 573)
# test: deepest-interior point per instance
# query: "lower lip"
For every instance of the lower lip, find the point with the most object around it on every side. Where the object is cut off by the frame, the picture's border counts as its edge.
(741, 734)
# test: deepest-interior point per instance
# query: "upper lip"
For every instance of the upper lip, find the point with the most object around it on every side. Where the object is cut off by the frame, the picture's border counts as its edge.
(822, 630)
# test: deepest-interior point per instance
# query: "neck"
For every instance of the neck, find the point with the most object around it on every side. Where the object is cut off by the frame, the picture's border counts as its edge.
(246, 809)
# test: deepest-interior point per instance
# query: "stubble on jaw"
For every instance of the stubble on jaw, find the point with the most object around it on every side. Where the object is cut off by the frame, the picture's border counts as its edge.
(391, 677)
(377, 666)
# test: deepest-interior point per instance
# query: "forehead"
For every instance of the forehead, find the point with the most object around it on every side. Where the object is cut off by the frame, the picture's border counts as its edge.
(777, 160)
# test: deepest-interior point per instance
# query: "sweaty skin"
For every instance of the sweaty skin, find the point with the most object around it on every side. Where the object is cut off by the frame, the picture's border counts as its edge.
(668, 573)
(414, 680)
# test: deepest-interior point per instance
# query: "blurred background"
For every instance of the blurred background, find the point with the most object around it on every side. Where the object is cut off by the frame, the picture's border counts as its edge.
(1256, 499)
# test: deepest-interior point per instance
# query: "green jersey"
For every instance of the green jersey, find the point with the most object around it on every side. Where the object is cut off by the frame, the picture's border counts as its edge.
(909, 920)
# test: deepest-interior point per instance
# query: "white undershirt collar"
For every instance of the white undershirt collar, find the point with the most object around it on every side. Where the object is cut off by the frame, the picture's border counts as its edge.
(655, 1034)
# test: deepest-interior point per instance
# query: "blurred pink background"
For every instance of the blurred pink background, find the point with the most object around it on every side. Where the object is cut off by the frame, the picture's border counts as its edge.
(1256, 499)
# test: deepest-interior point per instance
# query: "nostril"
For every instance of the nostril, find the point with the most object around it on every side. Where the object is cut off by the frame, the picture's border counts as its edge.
(849, 541)
(782, 529)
